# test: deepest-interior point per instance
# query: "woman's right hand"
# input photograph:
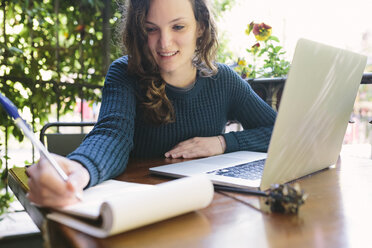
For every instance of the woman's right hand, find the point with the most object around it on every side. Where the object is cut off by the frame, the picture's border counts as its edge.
(48, 189)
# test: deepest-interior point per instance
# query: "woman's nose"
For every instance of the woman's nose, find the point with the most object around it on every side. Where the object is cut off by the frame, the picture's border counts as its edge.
(165, 39)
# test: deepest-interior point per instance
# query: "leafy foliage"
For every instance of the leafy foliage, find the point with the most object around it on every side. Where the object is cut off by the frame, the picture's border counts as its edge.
(5, 196)
(51, 52)
(224, 54)
(221, 6)
(46, 47)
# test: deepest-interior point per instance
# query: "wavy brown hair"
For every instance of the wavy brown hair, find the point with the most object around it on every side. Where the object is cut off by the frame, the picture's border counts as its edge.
(157, 107)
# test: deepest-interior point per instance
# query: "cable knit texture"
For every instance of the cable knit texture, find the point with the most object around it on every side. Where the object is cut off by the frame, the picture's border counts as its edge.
(202, 111)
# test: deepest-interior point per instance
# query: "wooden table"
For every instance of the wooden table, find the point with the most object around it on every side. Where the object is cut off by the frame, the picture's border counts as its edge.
(337, 213)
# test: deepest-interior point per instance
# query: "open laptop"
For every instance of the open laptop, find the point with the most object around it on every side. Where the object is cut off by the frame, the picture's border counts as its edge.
(316, 104)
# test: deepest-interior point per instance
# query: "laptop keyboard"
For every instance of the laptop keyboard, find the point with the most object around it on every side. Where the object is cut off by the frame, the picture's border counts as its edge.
(251, 170)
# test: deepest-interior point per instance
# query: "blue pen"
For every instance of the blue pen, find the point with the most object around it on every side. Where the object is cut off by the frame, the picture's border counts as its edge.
(13, 112)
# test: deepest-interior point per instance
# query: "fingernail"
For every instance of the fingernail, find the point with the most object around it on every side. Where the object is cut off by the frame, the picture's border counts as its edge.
(166, 155)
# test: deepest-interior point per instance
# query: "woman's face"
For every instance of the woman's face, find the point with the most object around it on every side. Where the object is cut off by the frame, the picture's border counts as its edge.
(172, 34)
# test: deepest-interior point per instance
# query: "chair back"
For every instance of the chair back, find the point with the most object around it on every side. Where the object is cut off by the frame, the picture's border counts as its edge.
(63, 143)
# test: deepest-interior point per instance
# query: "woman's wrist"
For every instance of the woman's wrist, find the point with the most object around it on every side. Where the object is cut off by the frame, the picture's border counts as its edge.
(222, 142)
(83, 174)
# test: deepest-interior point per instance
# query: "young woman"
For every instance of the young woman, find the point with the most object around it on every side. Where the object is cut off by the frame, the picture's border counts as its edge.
(167, 97)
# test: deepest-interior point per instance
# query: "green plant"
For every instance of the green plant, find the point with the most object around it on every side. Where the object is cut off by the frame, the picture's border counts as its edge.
(6, 197)
(45, 47)
(220, 7)
(266, 56)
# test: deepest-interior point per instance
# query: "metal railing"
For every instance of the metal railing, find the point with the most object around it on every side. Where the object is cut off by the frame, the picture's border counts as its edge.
(272, 85)
(270, 89)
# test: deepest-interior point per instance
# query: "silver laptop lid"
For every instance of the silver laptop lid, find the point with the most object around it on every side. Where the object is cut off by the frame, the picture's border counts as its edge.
(314, 111)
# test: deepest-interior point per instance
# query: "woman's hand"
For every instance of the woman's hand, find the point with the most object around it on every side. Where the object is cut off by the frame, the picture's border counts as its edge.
(198, 147)
(48, 189)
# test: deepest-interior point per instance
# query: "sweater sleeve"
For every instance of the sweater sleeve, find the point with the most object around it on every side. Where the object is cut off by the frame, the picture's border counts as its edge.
(105, 150)
(255, 115)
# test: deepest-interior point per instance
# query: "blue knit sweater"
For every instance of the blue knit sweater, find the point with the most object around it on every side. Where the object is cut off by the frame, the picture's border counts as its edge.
(202, 111)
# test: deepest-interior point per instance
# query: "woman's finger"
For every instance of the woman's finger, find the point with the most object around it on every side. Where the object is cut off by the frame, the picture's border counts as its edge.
(180, 147)
(196, 153)
(46, 196)
(196, 147)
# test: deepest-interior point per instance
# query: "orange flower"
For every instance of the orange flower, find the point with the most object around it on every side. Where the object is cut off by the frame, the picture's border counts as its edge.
(80, 28)
(262, 31)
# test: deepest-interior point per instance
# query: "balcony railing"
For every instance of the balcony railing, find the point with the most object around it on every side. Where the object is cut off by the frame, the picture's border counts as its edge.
(271, 89)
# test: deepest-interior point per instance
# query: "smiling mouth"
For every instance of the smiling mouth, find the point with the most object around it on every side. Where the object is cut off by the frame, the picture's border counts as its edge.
(167, 54)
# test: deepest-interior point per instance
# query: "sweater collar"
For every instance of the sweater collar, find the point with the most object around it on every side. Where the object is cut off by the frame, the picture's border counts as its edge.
(190, 91)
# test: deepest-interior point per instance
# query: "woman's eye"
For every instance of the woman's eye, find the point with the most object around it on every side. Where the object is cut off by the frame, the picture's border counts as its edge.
(150, 30)
(178, 27)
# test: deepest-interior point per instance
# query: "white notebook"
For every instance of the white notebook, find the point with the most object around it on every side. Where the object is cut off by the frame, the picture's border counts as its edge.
(114, 206)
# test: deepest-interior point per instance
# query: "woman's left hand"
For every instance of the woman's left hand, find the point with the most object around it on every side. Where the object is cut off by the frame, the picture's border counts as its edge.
(198, 147)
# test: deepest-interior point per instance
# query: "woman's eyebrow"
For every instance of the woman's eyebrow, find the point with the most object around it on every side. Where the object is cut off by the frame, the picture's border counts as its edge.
(175, 20)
